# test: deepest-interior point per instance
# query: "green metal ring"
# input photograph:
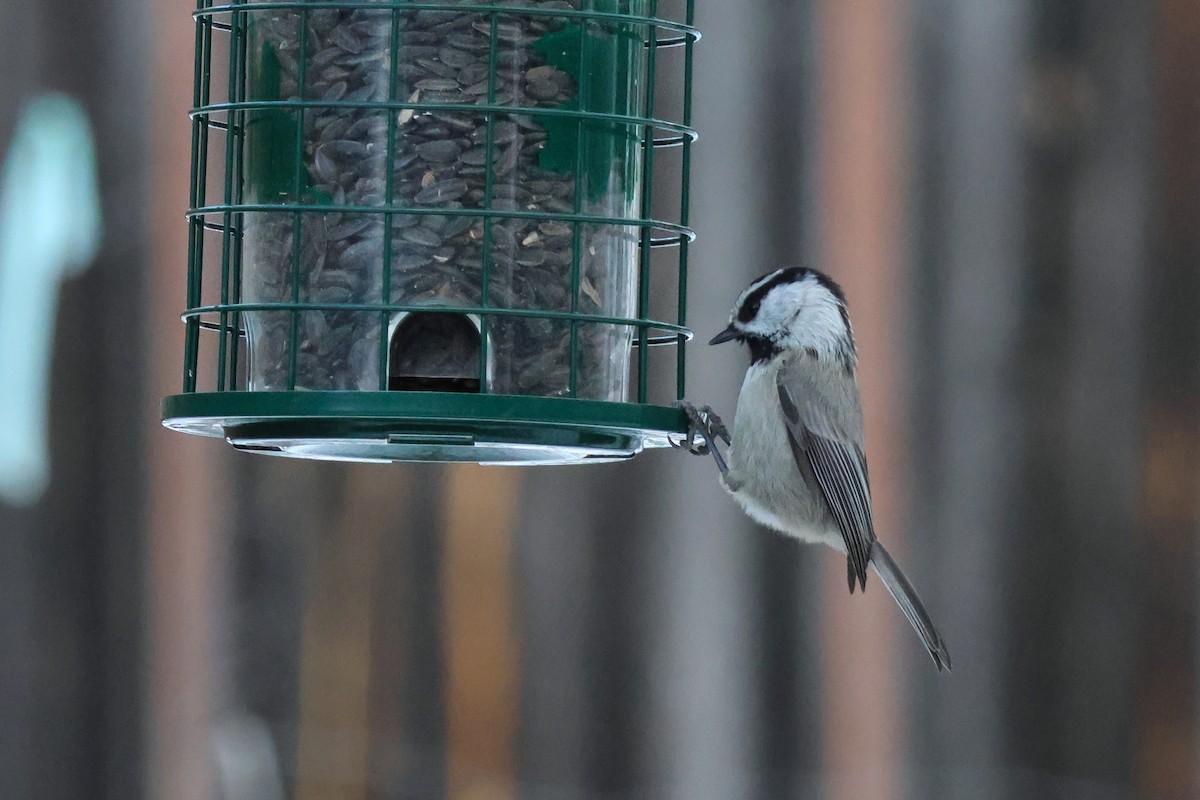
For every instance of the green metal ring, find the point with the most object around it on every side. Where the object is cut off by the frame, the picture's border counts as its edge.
(394, 308)
(660, 143)
(493, 213)
(213, 227)
(690, 34)
(664, 340)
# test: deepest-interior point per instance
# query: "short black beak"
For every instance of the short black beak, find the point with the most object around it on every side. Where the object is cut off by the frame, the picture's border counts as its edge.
(727, 335)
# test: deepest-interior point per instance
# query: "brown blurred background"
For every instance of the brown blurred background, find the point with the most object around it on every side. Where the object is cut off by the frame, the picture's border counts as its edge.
(1009, 191)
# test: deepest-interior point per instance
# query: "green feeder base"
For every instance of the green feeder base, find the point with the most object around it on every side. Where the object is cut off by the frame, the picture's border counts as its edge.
(425, 426)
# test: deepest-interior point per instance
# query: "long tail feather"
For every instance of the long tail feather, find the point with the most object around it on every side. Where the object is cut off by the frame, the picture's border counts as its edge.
(906, 597)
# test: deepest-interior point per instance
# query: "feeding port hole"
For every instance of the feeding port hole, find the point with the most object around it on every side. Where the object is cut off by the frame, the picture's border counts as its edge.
(434, 352)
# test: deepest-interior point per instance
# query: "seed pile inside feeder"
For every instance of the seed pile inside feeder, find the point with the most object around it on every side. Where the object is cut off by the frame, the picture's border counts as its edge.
(439, 163)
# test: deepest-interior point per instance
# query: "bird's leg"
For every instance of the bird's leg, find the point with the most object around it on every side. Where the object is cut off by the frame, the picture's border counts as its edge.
(714, 426)
(704, 422)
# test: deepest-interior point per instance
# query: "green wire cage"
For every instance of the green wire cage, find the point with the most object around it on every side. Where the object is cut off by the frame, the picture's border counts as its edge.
(436, 234)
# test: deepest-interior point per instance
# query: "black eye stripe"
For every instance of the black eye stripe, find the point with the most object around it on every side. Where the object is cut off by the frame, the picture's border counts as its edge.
(749, 309)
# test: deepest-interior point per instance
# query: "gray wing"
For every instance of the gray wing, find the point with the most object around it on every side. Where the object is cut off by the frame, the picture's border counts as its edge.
(840, 468)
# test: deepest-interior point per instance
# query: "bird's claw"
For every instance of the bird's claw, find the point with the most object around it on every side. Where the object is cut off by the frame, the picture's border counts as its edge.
(704, 427)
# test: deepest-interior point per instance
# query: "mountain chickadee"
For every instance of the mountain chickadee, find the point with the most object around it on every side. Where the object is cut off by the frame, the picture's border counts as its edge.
(797, 462)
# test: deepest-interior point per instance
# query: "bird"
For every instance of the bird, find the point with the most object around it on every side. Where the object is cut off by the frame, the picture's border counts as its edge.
(795, 461)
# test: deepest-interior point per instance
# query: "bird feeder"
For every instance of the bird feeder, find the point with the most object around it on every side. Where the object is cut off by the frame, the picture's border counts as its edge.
(425, 230)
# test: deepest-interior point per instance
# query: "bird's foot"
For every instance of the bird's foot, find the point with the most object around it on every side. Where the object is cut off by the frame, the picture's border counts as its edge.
(704, 429)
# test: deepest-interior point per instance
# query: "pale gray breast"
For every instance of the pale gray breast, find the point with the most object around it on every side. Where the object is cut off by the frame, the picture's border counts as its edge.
(774, 489)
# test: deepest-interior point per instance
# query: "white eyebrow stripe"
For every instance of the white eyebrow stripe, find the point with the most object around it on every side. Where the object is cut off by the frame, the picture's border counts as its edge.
(763, 281)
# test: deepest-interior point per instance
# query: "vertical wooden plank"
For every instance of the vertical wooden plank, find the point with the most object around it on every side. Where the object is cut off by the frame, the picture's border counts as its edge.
(407, 668)
(334, 761)
(555, 577)
(481, 647)
(117, 91)
(23, 42)
(967, 279)
(863, 181)
(185, 492)
(1167, 740)
(583, 590)
(1107, 229)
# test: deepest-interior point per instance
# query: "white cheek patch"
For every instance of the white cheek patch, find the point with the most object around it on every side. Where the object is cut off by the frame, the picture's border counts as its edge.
(817, 324)
(821, 328)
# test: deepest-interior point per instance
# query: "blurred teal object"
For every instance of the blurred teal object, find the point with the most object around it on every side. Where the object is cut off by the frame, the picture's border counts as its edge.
(49, 230)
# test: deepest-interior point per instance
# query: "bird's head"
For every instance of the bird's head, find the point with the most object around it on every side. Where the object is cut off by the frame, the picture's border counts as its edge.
(792, 310)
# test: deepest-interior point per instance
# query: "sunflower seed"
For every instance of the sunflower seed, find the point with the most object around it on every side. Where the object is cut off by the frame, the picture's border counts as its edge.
(439, 151)
(421, 235)
(441, 192)
(438, 84)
